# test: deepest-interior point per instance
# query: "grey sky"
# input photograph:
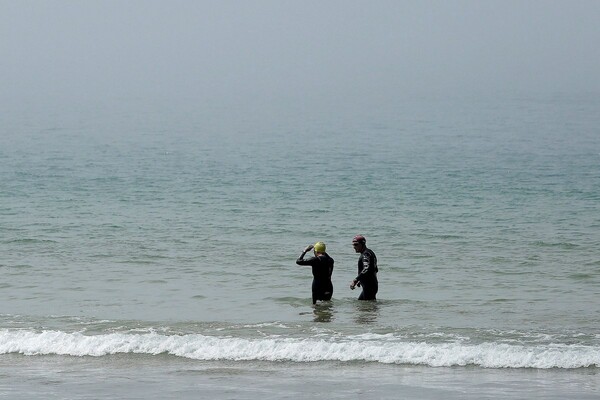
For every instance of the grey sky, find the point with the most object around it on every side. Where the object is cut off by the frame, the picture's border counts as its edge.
(273, 49)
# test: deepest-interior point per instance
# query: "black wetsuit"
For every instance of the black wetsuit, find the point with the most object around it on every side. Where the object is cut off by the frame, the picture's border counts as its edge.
(367, 275)
(322, 268)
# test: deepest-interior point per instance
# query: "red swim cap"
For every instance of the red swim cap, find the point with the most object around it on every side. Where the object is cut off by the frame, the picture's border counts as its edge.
(359, 239)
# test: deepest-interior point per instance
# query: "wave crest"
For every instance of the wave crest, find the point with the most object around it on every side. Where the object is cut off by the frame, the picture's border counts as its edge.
(383, 349)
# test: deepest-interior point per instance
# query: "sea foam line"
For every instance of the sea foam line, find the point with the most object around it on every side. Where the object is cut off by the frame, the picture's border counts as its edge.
(201, 347)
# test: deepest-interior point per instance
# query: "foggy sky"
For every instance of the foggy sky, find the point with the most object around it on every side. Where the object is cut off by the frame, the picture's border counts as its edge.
(275, 49)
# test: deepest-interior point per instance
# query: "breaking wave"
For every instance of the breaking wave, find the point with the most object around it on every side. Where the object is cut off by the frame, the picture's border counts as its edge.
(386, 349)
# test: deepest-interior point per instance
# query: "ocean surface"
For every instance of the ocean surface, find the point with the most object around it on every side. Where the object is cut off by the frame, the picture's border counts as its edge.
(147, 249)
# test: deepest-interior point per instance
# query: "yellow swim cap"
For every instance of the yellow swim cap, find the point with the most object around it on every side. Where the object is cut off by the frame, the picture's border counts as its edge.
(319, 247)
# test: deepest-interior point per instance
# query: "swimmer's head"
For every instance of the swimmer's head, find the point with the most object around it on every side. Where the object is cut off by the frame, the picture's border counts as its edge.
(319, 247)
(359, 243)
(360, 239)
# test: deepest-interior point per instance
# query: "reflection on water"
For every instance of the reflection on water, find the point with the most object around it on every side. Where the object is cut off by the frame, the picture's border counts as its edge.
(367, 312)
(323, 312)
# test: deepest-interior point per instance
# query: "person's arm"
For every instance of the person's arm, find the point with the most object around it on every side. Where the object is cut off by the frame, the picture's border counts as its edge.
(365, 261)
(366, 269)
(301, 260)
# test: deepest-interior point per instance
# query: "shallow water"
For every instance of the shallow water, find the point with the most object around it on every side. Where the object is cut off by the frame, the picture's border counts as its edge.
(166, 230)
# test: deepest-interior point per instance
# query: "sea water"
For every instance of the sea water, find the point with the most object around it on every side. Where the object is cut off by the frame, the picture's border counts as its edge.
(148, 248)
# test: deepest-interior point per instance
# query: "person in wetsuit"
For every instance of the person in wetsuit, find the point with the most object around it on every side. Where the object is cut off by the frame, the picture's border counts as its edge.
(322, 268)
(367, 269)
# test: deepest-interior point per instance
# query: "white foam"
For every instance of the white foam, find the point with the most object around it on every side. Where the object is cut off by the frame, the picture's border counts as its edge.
(382, 350)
